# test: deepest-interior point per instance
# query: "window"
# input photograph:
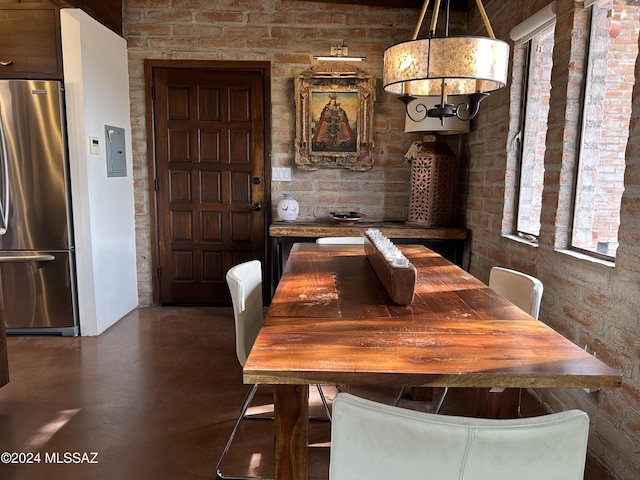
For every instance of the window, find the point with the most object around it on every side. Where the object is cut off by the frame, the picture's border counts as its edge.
(605, 128)
(534, 130)
(534, 40)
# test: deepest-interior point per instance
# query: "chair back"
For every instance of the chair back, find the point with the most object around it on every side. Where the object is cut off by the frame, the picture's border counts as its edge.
(519, 288)
(340, 240)
(245, 285)
(378, 442)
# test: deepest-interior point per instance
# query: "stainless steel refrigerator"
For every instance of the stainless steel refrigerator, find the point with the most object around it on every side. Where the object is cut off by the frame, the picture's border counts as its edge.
(37, 270)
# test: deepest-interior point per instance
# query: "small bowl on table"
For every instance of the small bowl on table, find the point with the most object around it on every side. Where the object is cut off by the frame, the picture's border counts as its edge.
(346, 218)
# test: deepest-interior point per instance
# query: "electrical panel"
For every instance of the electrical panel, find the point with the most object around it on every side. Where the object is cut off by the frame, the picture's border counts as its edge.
(115, 149)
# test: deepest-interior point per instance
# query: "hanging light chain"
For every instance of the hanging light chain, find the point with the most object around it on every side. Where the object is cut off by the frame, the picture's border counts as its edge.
(423, 13)
(485, 19)
(434, 18)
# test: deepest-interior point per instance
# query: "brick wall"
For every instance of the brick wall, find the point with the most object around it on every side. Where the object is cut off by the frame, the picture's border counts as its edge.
(589, 302)
(287, 34)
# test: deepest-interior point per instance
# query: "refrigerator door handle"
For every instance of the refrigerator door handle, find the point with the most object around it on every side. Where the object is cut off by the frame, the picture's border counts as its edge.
(4, 187)
(26, 258)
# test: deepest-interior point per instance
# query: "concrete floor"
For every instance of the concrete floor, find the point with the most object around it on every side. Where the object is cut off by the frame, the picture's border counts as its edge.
(154, 397)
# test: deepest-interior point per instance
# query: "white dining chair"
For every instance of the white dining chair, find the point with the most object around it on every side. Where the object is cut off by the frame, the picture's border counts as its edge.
(340, 240)
(519, 288)
(522, 290)
(378, 441)
(245, 285)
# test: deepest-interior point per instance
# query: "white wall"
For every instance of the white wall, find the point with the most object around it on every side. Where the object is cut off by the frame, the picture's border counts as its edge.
(97, 94)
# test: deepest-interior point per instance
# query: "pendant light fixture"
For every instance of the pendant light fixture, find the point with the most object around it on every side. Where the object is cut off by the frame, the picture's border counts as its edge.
(445, 65)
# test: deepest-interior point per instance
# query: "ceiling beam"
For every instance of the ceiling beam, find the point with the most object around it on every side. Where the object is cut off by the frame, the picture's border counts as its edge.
(107, 12)
(110, 12)
(458, 5)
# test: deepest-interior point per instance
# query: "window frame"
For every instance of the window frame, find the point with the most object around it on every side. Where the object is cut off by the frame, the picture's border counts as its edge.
(523, 36)
(580, 137)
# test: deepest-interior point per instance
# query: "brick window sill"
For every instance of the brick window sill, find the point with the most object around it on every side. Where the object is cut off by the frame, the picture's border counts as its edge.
(517, 238)
(586, 257)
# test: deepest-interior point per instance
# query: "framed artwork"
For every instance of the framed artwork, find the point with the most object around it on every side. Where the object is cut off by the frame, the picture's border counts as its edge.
(334, 117)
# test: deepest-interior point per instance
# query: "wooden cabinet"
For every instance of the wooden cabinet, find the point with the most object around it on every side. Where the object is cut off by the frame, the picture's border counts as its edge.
(30, 45)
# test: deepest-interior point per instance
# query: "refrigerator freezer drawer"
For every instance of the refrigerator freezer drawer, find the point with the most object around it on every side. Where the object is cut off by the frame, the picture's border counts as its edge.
(37, 293)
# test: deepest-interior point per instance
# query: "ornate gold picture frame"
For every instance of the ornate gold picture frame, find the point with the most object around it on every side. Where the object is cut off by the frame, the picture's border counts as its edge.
(334, 117)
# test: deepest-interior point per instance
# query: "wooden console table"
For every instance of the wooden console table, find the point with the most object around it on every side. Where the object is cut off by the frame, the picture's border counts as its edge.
(448, 241)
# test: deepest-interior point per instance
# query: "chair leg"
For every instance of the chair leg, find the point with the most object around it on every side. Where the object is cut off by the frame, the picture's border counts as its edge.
(243, 415)
(245, 405)
(324, 401)
(444, 395)
(397, 401)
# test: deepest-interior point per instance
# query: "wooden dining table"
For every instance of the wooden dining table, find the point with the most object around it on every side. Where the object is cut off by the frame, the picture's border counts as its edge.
(332, 322)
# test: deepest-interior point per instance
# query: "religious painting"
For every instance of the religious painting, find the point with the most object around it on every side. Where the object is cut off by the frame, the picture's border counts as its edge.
(334, 118)
(334, 121)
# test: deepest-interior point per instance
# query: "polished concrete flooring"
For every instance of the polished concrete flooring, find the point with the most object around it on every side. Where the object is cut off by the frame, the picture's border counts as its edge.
(154, 397)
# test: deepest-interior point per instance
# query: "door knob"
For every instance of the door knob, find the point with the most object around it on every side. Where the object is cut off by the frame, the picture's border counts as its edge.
(256, 207)
(256, 180)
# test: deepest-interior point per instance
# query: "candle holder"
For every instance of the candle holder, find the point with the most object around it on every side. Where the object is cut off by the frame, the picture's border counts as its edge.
(395, 271)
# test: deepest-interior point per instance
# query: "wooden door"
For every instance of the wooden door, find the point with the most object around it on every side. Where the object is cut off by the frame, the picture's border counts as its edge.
(209, 129)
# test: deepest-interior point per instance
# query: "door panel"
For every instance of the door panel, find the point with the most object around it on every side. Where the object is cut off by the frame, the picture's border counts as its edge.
(209, 131)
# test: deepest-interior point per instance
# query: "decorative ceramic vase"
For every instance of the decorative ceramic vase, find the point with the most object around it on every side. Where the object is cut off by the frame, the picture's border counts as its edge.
(288, 208)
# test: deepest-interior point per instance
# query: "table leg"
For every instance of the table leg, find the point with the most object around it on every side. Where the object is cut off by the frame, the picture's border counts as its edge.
(497, 404)
(291, 411)
(458, 252)
(276, 263)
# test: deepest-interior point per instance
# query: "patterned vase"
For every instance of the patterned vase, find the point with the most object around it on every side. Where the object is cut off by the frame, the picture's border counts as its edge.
(288, 208)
